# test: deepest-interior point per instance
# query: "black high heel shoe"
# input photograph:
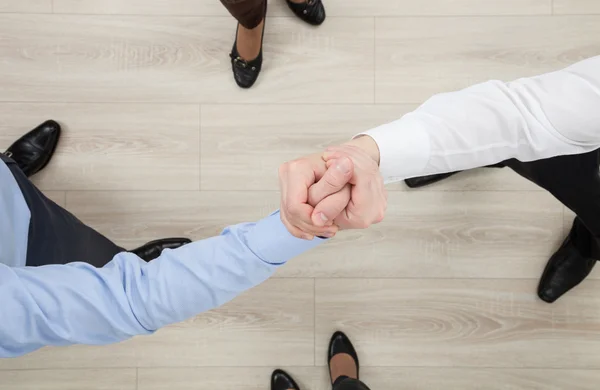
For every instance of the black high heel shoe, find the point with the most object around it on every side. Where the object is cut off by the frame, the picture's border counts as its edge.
(281, 380)
(311, 11)
(340, 343)
(246, 72)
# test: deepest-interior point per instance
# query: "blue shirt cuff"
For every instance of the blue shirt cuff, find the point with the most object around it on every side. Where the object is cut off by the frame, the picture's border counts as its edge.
(270, 240)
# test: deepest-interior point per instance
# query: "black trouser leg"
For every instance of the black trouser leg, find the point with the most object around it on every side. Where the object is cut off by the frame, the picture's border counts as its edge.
(57, 236)
(346, 383)
(575, 181)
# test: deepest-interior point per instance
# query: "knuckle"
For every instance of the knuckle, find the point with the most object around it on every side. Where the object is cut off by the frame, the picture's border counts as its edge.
(331, 181)
(360, 224)
(284, 167)
(291, 212)
(297, 234)
(283, 172)
(295, 165)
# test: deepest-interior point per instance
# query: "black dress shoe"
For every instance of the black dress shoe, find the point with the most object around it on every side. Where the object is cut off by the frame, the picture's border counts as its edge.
(246, 72)
(33, 151)
(340, 343)
(153, 249)
(311, 11)
(566, 269)
(281, 380)
(423, 181)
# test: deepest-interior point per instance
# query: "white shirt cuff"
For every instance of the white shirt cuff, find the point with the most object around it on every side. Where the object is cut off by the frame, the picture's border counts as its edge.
(404, 148)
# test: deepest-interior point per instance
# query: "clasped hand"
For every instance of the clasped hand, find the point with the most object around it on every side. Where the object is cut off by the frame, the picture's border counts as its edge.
(338, 189)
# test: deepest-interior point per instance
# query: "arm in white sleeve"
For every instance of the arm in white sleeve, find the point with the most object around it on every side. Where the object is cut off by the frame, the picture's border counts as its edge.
(528, 119)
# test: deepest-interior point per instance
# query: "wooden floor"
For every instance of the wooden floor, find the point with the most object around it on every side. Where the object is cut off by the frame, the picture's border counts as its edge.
(159, 141)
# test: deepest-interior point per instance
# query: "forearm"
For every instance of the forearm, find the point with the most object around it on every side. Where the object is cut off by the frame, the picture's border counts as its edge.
(528, 119)
(80, 304)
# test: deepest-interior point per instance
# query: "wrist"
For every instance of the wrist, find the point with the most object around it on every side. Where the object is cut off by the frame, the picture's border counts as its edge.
(368, 145)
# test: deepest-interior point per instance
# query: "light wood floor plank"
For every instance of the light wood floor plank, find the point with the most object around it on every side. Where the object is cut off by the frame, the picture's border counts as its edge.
(446, 235)
(259, 328)
(25, 6)
(419, 57)
(460, 323)
(148, 7)
(576, 7)
(231, 378)
(113, 379)
(243, 145)
(114, 146)
(181, 59)
(121, 355)
(333, 7)
(438, 7)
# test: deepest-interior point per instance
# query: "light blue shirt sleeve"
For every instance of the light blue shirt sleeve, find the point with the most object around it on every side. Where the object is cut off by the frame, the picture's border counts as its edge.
(79, 304)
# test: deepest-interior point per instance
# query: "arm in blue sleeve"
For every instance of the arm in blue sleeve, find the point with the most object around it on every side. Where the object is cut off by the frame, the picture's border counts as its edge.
(79, 304)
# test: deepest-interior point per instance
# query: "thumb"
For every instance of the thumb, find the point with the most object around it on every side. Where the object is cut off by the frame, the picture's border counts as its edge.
(338, 174)
(334, 179)
(331, 207)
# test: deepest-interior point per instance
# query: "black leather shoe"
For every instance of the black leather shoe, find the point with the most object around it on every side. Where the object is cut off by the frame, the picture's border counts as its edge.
(565, 270)
(340, 343)
(281, 380)
(423, 181)
(153, 249)
(311, 11)
(245, 73)
(33, 151)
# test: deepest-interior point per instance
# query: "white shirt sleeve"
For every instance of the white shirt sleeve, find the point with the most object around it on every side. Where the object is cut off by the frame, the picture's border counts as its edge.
(528, 119)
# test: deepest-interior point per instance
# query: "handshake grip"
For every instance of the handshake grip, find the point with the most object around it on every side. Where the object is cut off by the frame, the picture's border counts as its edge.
(341, 188)
(330, 195)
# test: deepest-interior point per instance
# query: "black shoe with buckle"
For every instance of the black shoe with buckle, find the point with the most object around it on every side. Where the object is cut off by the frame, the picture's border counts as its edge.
(33, 151)
(246, 72)
(311, 11)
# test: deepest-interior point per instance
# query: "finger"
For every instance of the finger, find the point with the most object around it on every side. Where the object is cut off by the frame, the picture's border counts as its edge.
(334, 179)
(329, 208)
(295, 187)
(300, 218)
(294, 231)
(332, 154)
(348, 219)
(355, 153)
(320, 231)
